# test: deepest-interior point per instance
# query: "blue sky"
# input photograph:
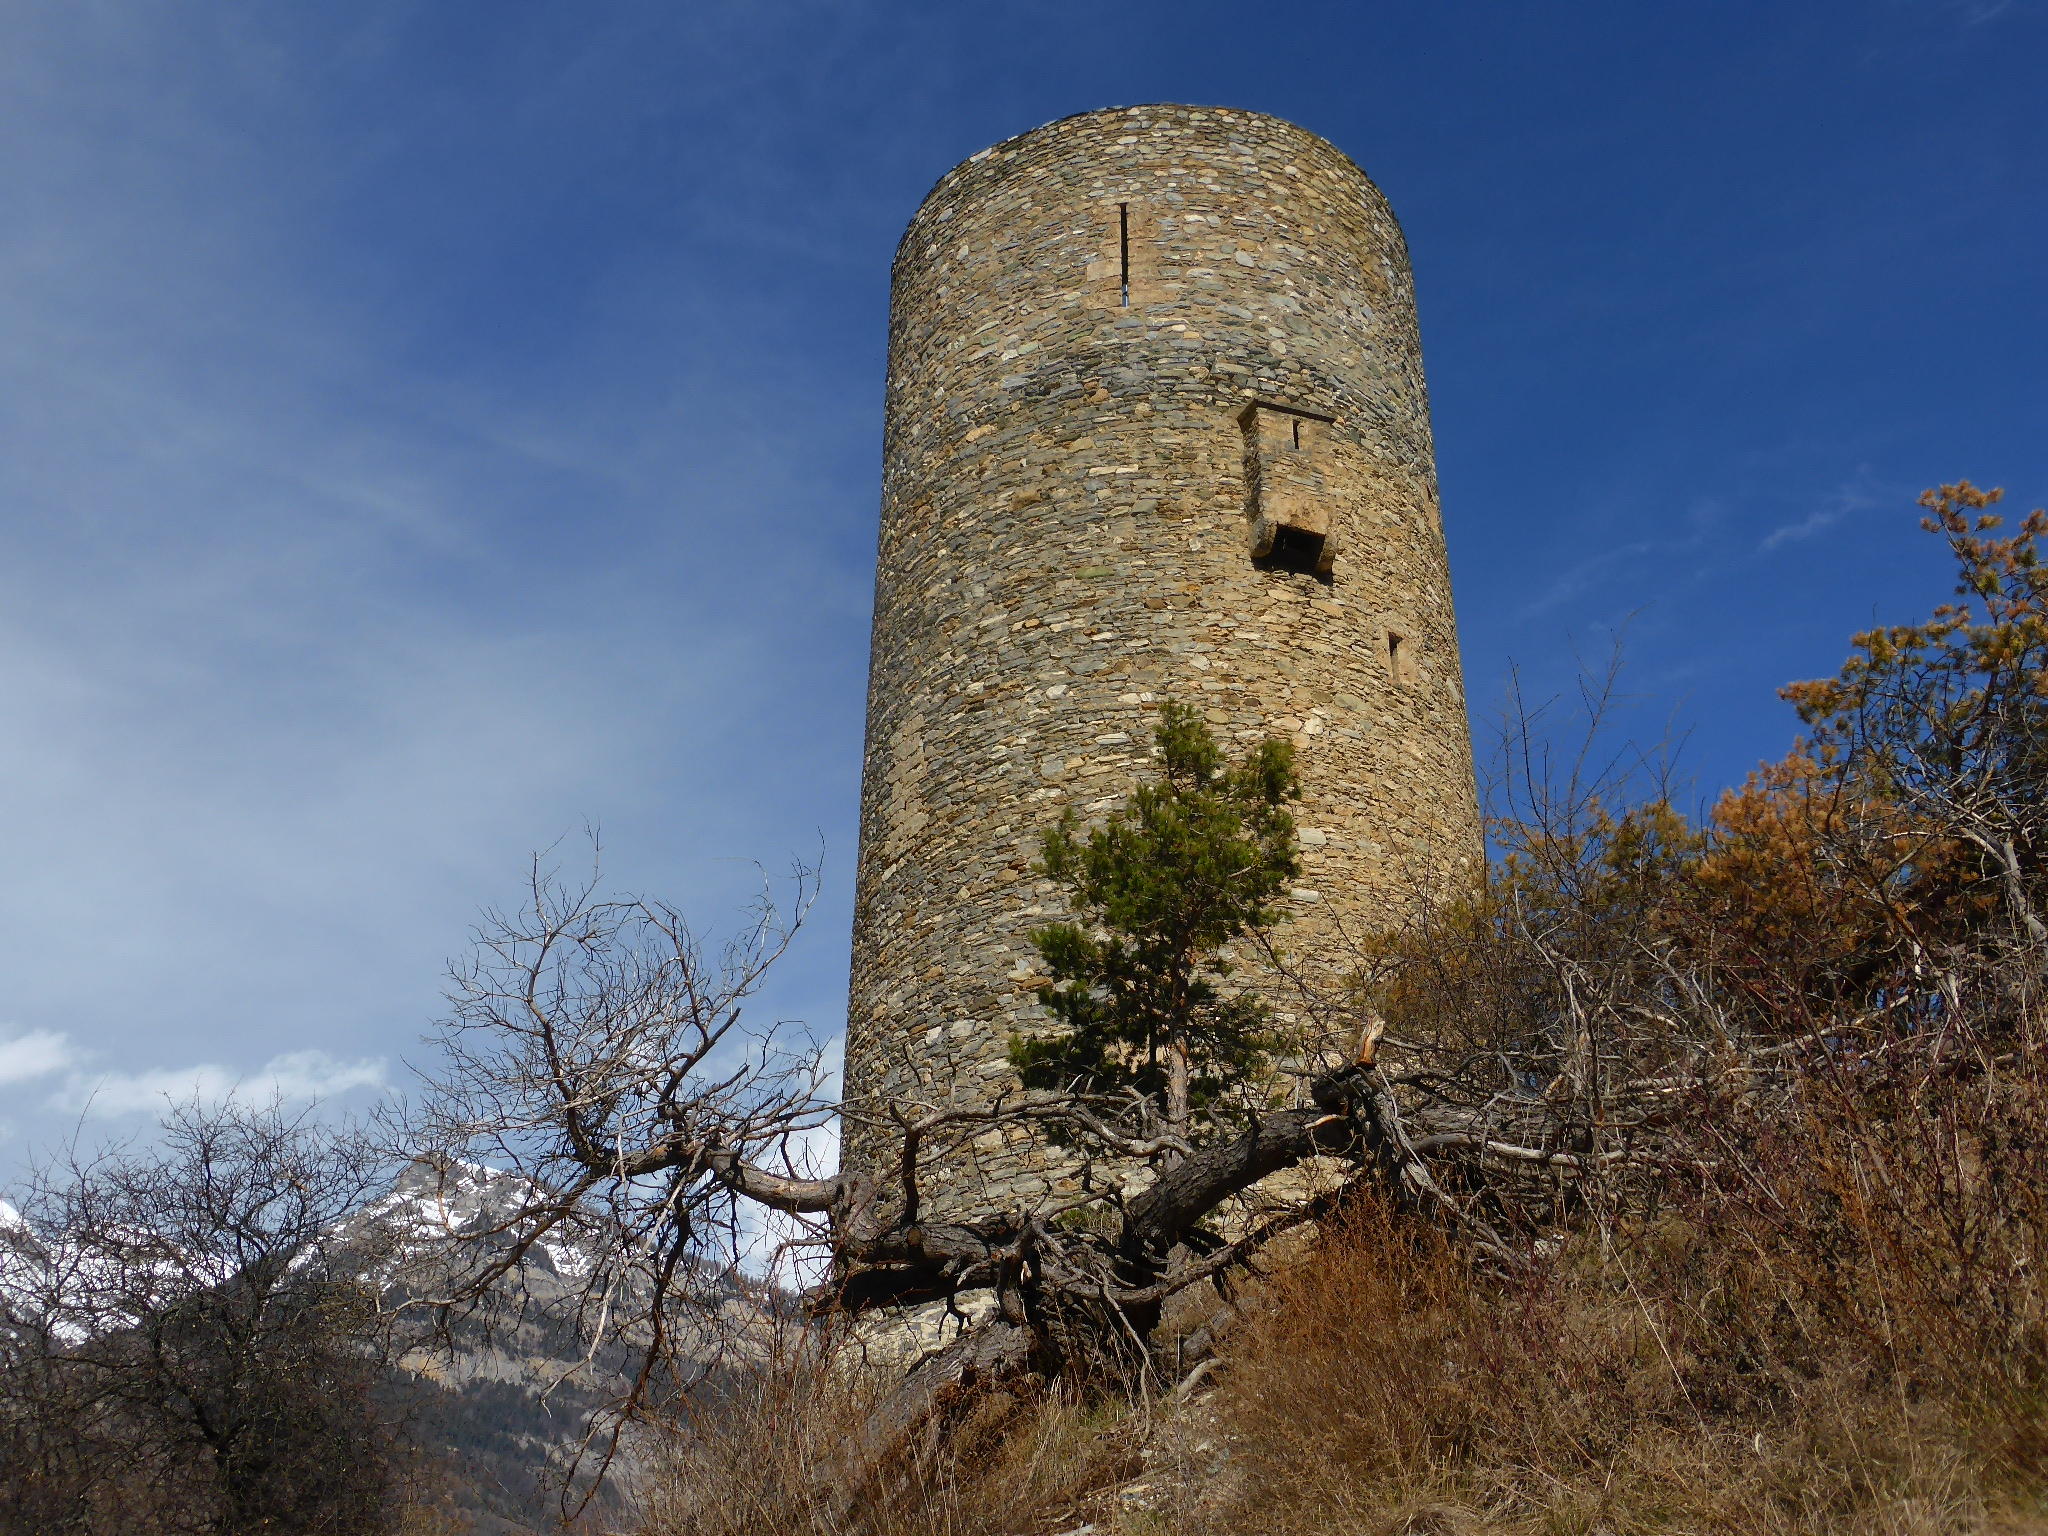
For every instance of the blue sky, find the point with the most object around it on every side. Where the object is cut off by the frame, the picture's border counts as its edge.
(429, 428)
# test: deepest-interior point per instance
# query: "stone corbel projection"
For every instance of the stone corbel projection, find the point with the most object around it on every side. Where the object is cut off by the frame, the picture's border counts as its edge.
(1286, 454)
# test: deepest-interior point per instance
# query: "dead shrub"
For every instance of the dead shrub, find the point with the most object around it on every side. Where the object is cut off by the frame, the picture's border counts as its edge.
(1706, 1370)
(771, 1456)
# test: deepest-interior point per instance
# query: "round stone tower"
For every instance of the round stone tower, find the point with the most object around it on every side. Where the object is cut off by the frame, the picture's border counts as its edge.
(1156, 430)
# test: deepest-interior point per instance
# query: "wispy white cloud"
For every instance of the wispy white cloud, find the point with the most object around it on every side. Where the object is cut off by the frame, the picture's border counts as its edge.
(1857, 494)
(1582, 577)
(1817, 521)
(38, 1053)
(297, 1076)
(1975, 13)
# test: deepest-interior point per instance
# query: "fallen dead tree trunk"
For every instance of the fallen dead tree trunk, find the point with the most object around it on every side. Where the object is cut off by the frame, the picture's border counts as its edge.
(594, 1050)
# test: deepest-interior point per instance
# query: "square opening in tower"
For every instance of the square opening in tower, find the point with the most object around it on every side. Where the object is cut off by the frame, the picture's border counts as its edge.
(1288, 489)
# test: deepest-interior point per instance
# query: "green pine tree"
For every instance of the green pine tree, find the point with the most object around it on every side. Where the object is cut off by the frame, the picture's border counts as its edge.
(1191, 863)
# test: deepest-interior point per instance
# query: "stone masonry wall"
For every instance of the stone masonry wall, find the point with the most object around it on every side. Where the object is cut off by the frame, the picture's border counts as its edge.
(1156, 428)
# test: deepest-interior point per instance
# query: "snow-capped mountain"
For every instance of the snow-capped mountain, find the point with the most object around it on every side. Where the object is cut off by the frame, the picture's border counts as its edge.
(500, 1394)
(511, 1388)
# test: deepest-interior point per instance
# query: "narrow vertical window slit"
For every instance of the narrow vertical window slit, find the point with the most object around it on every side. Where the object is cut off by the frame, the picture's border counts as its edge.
(1123, 248)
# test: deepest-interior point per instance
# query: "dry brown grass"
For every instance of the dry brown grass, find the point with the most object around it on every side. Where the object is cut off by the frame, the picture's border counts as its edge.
(1846, 1333)
(771, 1458)
(1677, 1382)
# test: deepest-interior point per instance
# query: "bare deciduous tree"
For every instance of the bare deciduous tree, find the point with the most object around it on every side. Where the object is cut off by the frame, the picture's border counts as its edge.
(598, 1049)
(192, 1340)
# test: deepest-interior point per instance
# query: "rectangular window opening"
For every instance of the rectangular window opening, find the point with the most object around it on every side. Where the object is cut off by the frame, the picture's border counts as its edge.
(1296, 550)
(1295, 422)
(1398, 659)
(1123, 248)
